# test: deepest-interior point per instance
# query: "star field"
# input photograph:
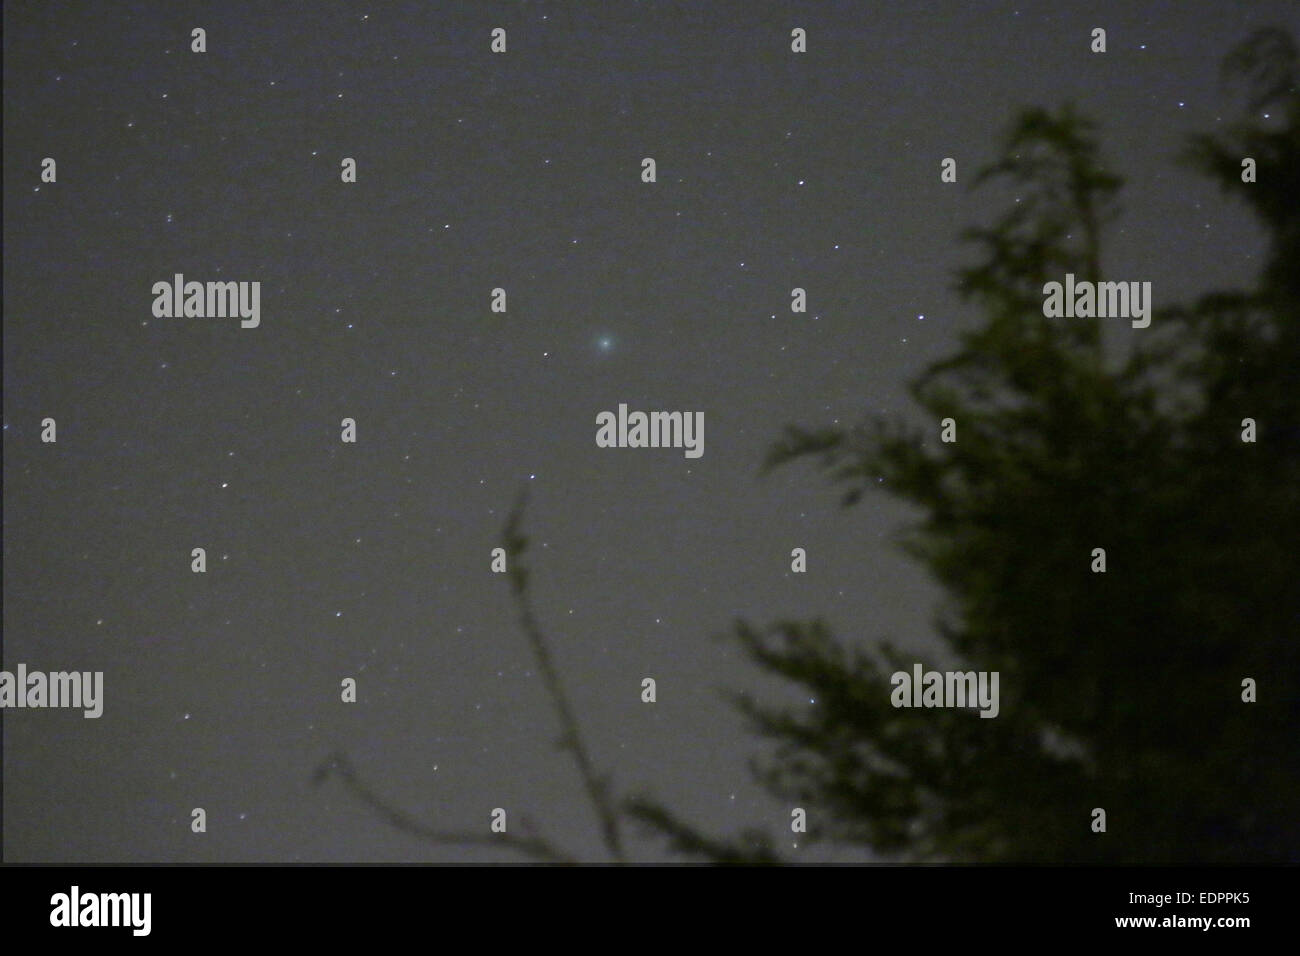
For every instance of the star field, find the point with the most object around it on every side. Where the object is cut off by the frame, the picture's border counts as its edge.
(478, 171)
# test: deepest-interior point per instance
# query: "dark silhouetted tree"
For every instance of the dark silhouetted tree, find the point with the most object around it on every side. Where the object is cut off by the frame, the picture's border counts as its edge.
(1120, 690)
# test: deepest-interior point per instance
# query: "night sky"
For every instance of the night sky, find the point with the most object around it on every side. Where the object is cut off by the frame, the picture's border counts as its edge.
(476, 170)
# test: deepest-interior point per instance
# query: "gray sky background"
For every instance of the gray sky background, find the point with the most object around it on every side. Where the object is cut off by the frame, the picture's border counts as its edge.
(520, 170)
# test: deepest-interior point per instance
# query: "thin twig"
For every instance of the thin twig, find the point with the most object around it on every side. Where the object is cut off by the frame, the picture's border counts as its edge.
(534, 846)
(571, 736)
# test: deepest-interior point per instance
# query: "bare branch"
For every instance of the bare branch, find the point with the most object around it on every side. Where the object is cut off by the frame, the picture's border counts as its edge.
(597, 788)
(571, 736)
(534, 846)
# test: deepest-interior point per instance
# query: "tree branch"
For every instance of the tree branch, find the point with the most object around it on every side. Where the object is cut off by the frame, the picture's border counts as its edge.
(516, 543)
(596, 787)
(534, 846)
